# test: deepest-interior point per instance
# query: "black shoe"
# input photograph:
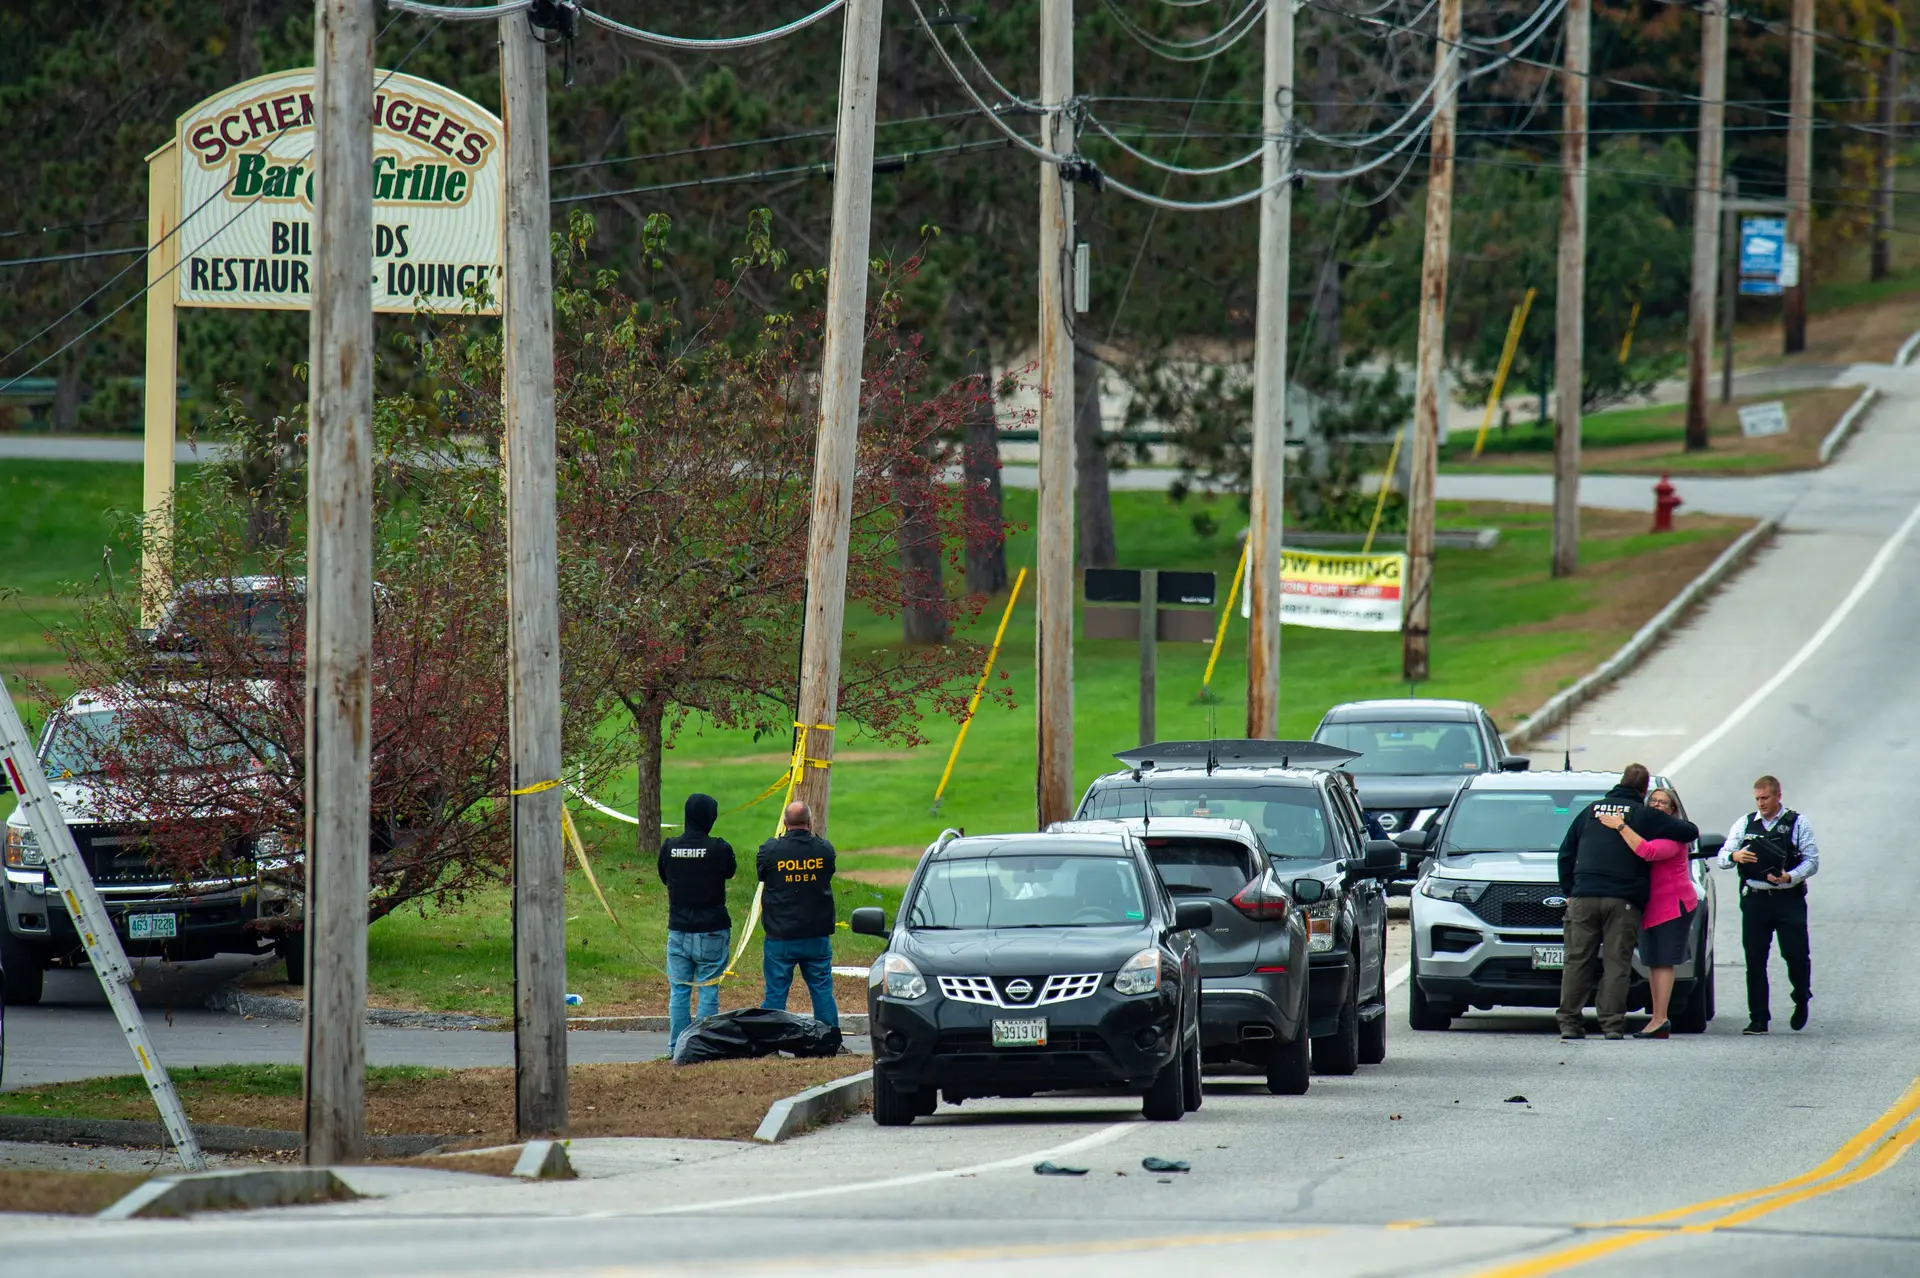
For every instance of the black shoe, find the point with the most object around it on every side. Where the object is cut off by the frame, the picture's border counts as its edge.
(1799, 1020)
(1755, 1027)
(1615, 1034)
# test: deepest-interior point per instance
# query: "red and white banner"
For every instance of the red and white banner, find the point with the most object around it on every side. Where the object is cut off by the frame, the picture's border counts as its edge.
(1338, 592)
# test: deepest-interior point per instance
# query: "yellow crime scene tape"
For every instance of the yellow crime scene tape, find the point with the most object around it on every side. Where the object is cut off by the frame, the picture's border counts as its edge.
(979, 689)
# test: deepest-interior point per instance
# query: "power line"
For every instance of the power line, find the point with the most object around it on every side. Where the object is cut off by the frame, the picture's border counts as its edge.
(709, 45)
(70, 257)
(881, 164)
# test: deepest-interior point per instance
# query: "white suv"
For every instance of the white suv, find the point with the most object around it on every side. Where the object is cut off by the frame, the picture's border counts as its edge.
(1488, 909)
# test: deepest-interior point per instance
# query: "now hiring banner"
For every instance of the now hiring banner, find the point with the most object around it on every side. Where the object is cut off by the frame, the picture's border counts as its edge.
(1337, 591)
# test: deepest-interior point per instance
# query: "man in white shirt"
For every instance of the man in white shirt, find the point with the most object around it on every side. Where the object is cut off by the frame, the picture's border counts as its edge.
(1774, 849)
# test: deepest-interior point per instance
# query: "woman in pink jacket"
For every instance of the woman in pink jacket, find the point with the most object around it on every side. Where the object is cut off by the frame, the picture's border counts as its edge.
(1666, 926)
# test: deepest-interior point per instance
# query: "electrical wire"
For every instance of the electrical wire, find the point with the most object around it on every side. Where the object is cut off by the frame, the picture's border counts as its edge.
(705, 45)
(1166, 166)
(460, 12)
(747, 142)
(823, 168)
(7, 263)
(1174, 51)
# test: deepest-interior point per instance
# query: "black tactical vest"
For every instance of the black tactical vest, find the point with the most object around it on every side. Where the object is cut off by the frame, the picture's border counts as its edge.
(1775, 849)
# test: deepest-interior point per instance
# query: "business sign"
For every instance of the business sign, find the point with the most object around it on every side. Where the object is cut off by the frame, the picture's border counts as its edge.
(1763, 246)
(246, 195)
(1336, 591)
(1757, 420)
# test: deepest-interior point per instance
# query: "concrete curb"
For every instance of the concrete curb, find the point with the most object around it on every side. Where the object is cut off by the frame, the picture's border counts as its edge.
(272, 1007)
(792, 1115)
(1561, 706)
(226, 1190)
(215, 1137)
(544, 1160)
(1848, 423)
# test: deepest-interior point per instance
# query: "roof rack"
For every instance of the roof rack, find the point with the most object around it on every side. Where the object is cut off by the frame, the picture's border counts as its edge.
(1237, 753)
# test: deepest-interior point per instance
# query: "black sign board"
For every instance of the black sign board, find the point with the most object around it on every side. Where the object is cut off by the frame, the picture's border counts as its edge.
(1122, 586)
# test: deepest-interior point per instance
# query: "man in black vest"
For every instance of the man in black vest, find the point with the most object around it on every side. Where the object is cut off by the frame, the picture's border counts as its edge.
(1774, 850)
(1606, 887)
(796, 873)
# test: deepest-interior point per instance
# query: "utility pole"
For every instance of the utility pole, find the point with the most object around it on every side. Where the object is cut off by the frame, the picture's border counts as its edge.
(1053, 633)
(1889, 121)
(1706, 217)
(1425, 462)
(831, 522)
(533, 602)
(1799, 172)
(1730, 277)
(339, 584)
(1571, 299)
(1269, 501)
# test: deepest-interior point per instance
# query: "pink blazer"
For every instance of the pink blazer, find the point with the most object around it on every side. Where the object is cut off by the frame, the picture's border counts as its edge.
(1670, 889)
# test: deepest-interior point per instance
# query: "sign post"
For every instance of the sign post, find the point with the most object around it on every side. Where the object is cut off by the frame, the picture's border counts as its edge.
(1165, 608)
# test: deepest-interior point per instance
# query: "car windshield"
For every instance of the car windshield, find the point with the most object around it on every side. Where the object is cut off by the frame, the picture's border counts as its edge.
(1024, 890)
(92, 740)
(1513, 820)
(1401, 748)
(1201, 867)
(1289, 819)
(263, 615)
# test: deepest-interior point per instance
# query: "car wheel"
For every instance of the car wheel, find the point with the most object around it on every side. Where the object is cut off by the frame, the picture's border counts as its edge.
(293, 951)
(22, 969)
(1339, 1052)
(1425, 1013)
(1373, 1033)
(925, 1102)
(891, 1106)
(1190, 1085)
(1691, 1017)
(1165, 1101)
(1290, 1066)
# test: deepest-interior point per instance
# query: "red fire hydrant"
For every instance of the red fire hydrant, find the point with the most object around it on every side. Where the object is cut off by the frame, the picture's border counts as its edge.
(1665, 502)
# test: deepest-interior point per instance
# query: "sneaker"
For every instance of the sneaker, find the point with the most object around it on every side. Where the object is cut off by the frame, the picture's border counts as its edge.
(1755, 1027)
(1799, 1021)
(1570, 1032)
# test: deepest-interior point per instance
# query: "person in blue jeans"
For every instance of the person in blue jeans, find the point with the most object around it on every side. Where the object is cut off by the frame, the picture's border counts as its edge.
(695, 867)
(796, 907)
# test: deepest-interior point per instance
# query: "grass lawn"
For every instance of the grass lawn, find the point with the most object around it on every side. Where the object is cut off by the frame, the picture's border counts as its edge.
(718, 1100)
(1505, 634)
(1651, 439)
(64, 1193)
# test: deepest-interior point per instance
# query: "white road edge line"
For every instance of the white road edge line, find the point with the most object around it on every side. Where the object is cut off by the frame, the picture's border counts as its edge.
(1875, 568)
(1399, 977)
(1104, 1136)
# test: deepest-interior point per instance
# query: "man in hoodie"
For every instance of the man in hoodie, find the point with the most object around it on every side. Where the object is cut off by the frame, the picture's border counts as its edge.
(1606, 887)
(695, 867)
(796, 874)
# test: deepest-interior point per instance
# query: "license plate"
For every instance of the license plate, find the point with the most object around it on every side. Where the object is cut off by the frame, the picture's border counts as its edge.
(1020, 1033)
(152, 927)
(1549, 956)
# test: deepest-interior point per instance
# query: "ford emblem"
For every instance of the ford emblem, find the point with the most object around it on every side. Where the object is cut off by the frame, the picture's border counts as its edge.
(1555, 903)
(1019, 991)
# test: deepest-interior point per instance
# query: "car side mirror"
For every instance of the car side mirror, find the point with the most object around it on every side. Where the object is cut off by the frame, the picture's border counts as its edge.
(868, 920)
(1381, 858)
(1192, 916)
(1309, 891)
(1413, 840)
(1515, 763)
(1710, 845)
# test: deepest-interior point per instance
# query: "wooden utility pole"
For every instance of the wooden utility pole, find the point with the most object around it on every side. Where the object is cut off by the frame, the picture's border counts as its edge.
(1889, 121)
(1730, 278)
(1799, 171)
(1268, 504)
(533, 601)
(339, 583)
(1706, 217)
(1425, 461)
(1569, 360)
(1053, 632)
(833, 460)
(1149, 651)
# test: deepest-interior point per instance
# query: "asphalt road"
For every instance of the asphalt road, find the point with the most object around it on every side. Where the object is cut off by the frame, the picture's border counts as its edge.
(1493, 1149)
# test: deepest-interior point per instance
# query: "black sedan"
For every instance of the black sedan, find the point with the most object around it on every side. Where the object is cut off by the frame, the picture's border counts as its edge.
(1029, 963)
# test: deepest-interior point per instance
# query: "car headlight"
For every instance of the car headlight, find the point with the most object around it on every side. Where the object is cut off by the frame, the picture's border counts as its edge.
(898, 974)
(1320, 926)
(1459, 891)
(1139, 974)
(23, 849)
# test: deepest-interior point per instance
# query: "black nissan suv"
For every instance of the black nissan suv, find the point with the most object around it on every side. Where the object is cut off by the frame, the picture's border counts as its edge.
(1309, 826)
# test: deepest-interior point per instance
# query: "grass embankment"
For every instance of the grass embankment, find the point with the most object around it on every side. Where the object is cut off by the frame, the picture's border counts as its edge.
(64, 1193)
(723, 1100)
(1652, 439)
(1505, 634)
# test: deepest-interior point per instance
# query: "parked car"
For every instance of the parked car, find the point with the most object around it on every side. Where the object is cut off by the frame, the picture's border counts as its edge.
(233, 909)
(1309, 827)
(1253, 958)
(1412, 755)
(1027, 963)
(1488, 911)
(266, 609)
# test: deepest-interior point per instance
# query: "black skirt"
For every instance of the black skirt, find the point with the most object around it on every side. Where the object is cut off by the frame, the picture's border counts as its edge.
(1668, 944)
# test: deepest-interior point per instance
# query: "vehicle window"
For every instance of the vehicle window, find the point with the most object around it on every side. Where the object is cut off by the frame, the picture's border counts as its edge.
(1029, 891)
(1513, 820)
(1407, 749)
(91, 741)
(1289, 819)
(1201, 867)
(263, 616)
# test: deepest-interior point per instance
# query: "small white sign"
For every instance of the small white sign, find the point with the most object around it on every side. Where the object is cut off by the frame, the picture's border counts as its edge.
(1763, 419)
(1789, 266)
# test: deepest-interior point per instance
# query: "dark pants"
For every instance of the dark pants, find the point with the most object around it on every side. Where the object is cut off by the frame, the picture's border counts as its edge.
(1606, 927)
(1762, 916)
(813, 955)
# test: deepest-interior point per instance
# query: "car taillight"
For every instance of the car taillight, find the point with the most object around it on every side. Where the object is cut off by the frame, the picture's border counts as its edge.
(1262, 900)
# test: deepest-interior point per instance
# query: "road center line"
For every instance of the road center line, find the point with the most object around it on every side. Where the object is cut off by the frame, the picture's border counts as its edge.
(1834, 621)
(1104, 1136)
(1398, 977)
